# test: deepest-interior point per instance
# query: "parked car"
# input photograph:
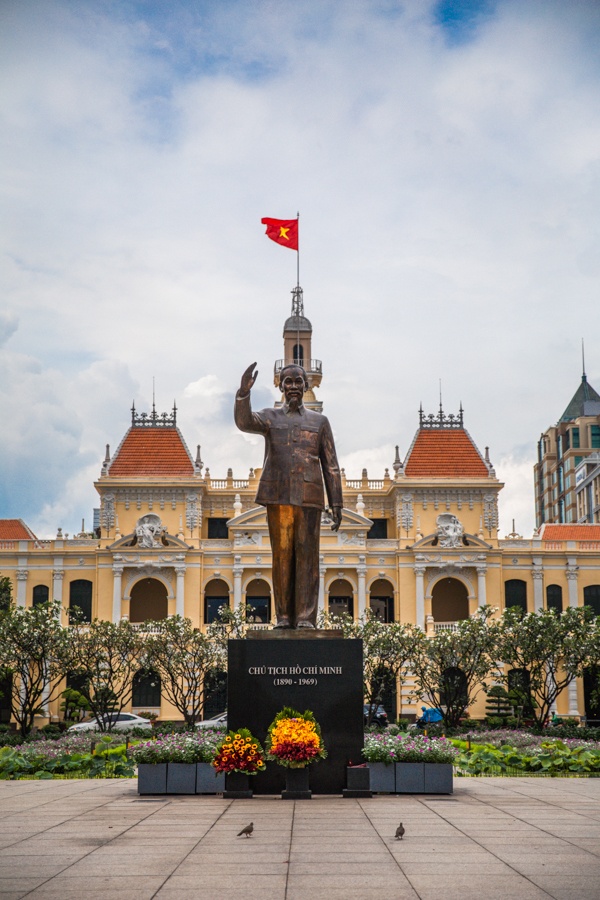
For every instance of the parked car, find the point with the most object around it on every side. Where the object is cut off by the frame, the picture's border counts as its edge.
(379, 716)
(219, 721)
(120, 722)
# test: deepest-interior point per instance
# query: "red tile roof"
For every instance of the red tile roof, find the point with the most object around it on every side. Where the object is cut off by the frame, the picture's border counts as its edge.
(15, 530)
(152, 451)
(550, 532)
(444, 453)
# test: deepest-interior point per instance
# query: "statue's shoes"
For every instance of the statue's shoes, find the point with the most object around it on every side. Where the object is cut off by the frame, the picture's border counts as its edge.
(305, 625)
(283, 623)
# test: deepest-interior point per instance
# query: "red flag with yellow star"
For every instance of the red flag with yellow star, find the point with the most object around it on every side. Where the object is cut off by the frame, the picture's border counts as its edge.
(282, 231)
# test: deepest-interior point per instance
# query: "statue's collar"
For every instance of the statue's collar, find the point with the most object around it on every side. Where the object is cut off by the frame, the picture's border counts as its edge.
(290, 412)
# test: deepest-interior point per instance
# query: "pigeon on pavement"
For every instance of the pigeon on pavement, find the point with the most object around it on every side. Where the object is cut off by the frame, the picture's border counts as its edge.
(400, 832)
(247, 830)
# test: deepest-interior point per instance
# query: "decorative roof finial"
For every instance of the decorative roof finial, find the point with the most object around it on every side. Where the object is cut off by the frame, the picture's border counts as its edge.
(397, 467)
(583, 375)
(198, 464)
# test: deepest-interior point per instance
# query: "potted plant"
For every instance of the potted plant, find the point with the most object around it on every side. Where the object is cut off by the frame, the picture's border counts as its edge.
(237, 756)
(294, 741)
(177, 763)
(415, 764)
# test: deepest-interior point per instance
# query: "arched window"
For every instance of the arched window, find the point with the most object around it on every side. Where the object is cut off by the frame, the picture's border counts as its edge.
(298, 354)
(80, 599)
(41, 594)
(591, 684)
(554, 598)
(381, 600)
(148, 600)
(449, 601)
(519, 689)
(6, 685)
(515, 594)
(591, 597)
(216, 597)
(341, 598)
(146, 690)
(215, 693)
(258, 596)
(453, 689)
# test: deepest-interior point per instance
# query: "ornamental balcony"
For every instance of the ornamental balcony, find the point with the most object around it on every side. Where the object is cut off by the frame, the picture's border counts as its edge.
(312, 367)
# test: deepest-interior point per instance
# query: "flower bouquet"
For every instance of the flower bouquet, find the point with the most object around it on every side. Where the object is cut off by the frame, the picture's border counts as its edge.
(294, 739)
(239, 751)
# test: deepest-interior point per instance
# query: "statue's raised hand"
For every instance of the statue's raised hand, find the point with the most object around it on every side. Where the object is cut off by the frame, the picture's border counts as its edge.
(248, 379)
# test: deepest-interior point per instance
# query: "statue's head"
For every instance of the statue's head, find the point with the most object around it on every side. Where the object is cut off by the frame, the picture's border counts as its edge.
(293, 382)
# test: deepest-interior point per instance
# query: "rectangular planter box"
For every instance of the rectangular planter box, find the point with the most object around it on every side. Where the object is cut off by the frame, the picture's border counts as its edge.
(382, 778)
(208, 781)
(410, 778)
(438, 778)
(181, 778)
(152, 779)
(357, 782)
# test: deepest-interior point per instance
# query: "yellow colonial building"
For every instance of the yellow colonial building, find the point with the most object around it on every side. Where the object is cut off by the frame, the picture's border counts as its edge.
(418, 544)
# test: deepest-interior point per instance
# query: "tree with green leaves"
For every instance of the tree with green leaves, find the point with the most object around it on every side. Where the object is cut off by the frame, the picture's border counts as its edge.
(183, 657)
(5, 593)
(554, 649)
(105, 656)
(231, 624)
(33, 659)
(387, 649)
(451, 668)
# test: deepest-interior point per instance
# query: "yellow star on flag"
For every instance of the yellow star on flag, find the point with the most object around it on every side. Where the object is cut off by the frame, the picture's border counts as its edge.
(283, 232)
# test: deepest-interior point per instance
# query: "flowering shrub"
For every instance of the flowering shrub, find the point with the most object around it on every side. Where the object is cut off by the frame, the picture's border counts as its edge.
(239, 751)
(519, 739)
(294, 739)
(71, 756)
(184, 747)
(391, 748)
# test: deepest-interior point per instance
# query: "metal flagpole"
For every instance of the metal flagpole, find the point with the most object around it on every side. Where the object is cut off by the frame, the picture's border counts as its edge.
(298, 290)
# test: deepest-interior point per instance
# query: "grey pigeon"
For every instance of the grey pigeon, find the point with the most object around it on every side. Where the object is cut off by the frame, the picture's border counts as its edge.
(400, 832)
(247, 830)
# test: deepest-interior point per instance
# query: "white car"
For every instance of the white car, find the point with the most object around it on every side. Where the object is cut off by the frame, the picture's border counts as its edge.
(121, 722)
(219, 721)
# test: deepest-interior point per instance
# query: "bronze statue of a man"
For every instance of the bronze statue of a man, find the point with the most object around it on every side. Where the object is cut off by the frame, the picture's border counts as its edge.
(299, 456)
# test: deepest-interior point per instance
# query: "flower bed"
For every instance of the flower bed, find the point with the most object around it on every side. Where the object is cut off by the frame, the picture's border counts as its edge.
(520, 740)
(69, 756)
(180, 747)
(392, 748)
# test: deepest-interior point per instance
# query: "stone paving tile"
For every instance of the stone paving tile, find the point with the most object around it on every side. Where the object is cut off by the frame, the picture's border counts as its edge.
(471, 887)
(106, 887)
(213, 885)
(571, 887)
(337, 886)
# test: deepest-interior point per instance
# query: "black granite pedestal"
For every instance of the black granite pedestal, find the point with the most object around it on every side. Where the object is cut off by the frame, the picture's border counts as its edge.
(319, 671)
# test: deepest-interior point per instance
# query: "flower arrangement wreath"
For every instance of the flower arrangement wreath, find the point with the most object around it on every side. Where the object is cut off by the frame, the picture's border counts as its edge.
(294, 739)
(239, 751)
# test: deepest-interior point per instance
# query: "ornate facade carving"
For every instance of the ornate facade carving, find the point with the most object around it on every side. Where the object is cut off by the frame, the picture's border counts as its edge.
(449, 530)
(149, 531)
(193, 511)
(490, 511)
(404, 512)
(107, 511)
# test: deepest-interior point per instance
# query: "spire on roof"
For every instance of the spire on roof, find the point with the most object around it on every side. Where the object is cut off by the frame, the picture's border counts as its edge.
(584, 402)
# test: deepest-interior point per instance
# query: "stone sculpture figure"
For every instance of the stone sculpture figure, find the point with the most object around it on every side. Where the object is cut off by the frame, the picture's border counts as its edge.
(299, 457)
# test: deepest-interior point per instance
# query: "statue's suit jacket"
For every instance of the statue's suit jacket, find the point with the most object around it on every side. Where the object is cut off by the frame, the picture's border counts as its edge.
(299, 455)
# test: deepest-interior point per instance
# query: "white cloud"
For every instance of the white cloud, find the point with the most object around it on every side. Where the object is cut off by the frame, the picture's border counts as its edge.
(448, 193)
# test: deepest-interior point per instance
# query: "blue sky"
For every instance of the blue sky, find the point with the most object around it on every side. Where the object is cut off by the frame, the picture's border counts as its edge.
(444, 157)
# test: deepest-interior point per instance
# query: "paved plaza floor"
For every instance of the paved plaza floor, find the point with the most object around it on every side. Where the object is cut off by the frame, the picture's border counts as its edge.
(506, 838)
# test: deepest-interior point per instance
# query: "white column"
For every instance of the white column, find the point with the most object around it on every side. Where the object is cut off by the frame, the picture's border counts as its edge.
(572, 573)
(57, 585)
(237, 581)
(321, 601)
(21, 586)
(180, 591)
(573, 706)
(538, 590)
(481, 586)
(420, 578)
(117, 596)
(361, 571)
